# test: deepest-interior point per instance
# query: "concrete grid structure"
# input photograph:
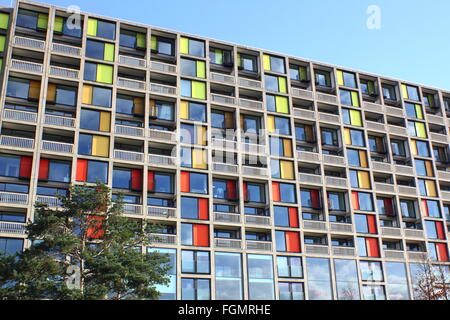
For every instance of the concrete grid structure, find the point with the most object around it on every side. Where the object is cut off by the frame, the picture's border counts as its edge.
(350, 190)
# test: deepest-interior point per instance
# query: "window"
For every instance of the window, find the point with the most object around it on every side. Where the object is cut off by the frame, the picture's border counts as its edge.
(424, 167)
(195, 289)
(323, 78)
(410, 92)
(357, 158)
(130, 179)
(195, 235)
(53, 170)
(414, 111)
(336, 201)
(368, 247)
(274, 64)
(438, 251)
(368, 87)
(195, 262)
(97, 96)
(13, 187)
(291, 291)
(346, 79)
(398, 148)
(330, 137)
(100, 50)
(349, 98)
(389, 92)
(194, 182)
(282, 169)
(228, 276)
(224, 189)
(362, 201)
(63, 27)
(98, 72)
(63, 95)
(371, 292)
(435, 230)
(95, 120)
(169, 291)
(194, 208)
(162, 110)
(129, 105)
(131, 39)
(441, 154)
(277, 104)
(359, 179)
(289, 267)
(193, 111)
(397, 281)
(193, 134)
(247, 62)
(101, 29)
(192, 47)
(10, 246)
(220, 57)
(304, 133)
(193, 158)
(23, 89)
(254, 192)
(160, 182)
(371, 271)
(260, 277)
(162, 45)
(10, 166)
(319, 279)
(278, 125)
(32, 20)
(285, 217)
(408, 208)
(91, 171)
(365, 223)
(354, 137)
(420, 148)
(352, 117)
(427, 187)
(386, 206)
(193, 68)
(346, 279)
(281, 147)
(93, 145)
(417, 129)
(299, 73)
(310, 198)
(431, 208)
(273, 83)
(287, 241)
(283, 192)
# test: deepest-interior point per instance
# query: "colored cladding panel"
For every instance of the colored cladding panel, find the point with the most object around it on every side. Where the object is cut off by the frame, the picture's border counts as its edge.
(82, 166)
(231, 190)
(425, 208)
(4, 20)
(315, 199)
(347, 137)
(141, 41)
(154, 43)
(420, 129)
(355, 99)
(440, 230)
(372, 224)
(105, 121)
(245, 191)
(199, 159)
(200, 235)
(276, 191)
(363, 159)
(266, 62)
(203, 209)
(282, 104)
(100, 146)
(270, 123)
(51, 92)
(355, 200)
(372, 247)
(199, 90)
(364, 179)
(293, 218)
(419, 113)
(139, 106)
(340, 76)
(92, 27)
(287, 147)
(201, 69)
(34, 90)
(282, 86)
(431, 188)
(26, 164)
(150, 181)
(292, 241)
(201, 135)
(109, 52)
(287, 170)
(184, 110)
(87, 94)
(42, 21)
(185, 181)
(404, 91)
(105, 73)
(43, 169)
(355, 118)
(136, 179)
(2, 43)
(442, 252)
(59, 24)
(184, 45)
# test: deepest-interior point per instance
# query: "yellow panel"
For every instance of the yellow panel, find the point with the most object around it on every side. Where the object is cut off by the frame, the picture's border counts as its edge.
(229, 121)
(347, 137)
(201, 69)
(87, 94)
(100, 146)
(363, 159)
(282, 104)
(201, 135)
(138, 106)
(431, 188)
(414, 148)
(199, 160)
(184, 110)
(199, 90)
(355, 99)
(34, 90)
(51, 92)
(270, 123)
(404, 91)
(287, 146)
(105, 121)
(420, 129)
(282, 85)
(355, 118)
(266, 62)
(429, 166)
(340, 77)
(363, 178)
(287, 170)
(419, 112)
(92, 27)
(242, 121)
(184, 45)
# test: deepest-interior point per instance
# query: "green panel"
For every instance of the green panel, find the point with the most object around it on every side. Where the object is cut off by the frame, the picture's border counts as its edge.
(266, 62)
(92, 27)
(282, 85)
(419, 113)
(355, 99)
(239, 60)
(370, 87)
(141, 42)
(1, 63)
(218, 56)
(355, 118)
(109, 52)
(303, 73)
(105, 73)
(198, 90)
(201, 69)
(340, 77)
(420, 129)
(42, 21)
(404, 91)
(4, 20)
(184, 45)
(282, 104)
(2, 43)
(154, 43)
(59, 24)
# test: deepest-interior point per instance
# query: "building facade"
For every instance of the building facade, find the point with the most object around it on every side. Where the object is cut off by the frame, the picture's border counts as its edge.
(274, 177)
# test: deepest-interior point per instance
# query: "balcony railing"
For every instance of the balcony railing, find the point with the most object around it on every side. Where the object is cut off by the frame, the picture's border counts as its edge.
(227, 217)
(228, 243)
(65, 49)
(258, 220)
(394, 254)
(411, 233)
(223, 144)
(52, 202)
(417, 256)
(255, 171)
(335, 160)
(129, 131)
(59, 121)
(304, 114)
(221, 77)
(128, 155)
(164, 67)
(163, 238)
(223, 167)
(19, 115)
(328, 98)
(14, 198)
(10, 141)
(438, 137)
(317, 249)
(64, 72)
(300, 93)
(162, 135)
(161, 88)
(259, 245)
(336, 182)
(131, 84)
(343, 251)
(222, 99)
(29, 43)
(250, 83)
(135, 209)
(12, 228)
(341, 227)
(131, 61)
(156, 159)
(315, 225)
(253, 148)
(400, 131)
(385, 187)
(330, 118)
(308, 156)
(57, 146)
(26, 66)
(252, 104)
(310, 178)
(161, 212)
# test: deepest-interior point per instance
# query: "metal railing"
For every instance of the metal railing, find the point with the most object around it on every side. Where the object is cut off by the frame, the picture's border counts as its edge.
(12, 228)
(19, 115)
(330, 118)
(252, 104)
(308, 156)
(161, 160)
(304, 114)
(223, 167)
(131, 61)
(163, 238)
(131, 84)
(10, 141)
(64, 72)
(317, 249)
(222, 99)
(129, 131)
(57, 146)
(250, 83)
(259, 220)
(310, 178)
(128, 155)
(59, 121)
(341, 227)
(228, 243)
(164, 67)
(227, 217)
(29, 43)
(301, 93)
(259, 245)
(343, 251)
(326, 97)
(52, 202)
(26, 66)
(336, 182)
(162, 135)
(65, 49)
(394, 254)
(315, 225)
(160, 88)
(221, 77)
(161, 212)
(129, 208)
(255, 171)
(14, 198)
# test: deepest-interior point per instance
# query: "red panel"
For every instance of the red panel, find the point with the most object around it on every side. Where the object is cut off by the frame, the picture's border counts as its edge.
(203, 209)
(82, 166)
(388, 207)
(355, 200)
(244, 186)
(293, 218)
(150, 181)
(372, 247)
(201, 235)
(185, 181)
(292, 241)
(372, 224)
(25, 167)
(425, 208)
(43, 169)
(315, 201)
(276, 191)
(94, 228)
(136, 179)
(442, 252)
(440, 230)
(231, 190)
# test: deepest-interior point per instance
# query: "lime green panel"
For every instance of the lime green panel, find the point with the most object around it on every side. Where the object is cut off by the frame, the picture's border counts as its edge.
(266, 62)
(42, 21)
(154, 43)
(404, 91)
(201, 69)
(105, 73)
(239, 60)
(141, 42)
(2, 43)
(199, 90)
(340, 77)
(1, 63)
(303, 73)
(355, 99)
(109, 52)
(419, 113)
(218, 56)
(59, 24)
(184, 45)
(420, 129)
(4, 20)
(282, 85)
(92, 27)
(282, 104)
(370, 87)
(355, 118)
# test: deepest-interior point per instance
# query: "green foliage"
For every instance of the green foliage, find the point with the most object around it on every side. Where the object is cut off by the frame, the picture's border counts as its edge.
(86, 249)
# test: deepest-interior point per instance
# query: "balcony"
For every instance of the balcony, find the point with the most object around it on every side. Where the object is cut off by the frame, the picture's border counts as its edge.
(163, 238)
(29, 43)
(384, 187)
(131, 61)
(391, 232)
(257, 220)
(392, 111)
(397, 130)
(57, 147)
(130, 84)
(442, 138)
(336, 182)
(251, 104)
(163, 67)
(26, 66)
(376, 126)
(310, 178)
(129, 131)
(412, 233)
(327, 98)
(221, 78)
(259, 245)
(329, 118)
(223, 167)
(161, 135)
(134, 209)
(300, 93)
(341, 227)
(160, 160)
(227, 217)
(219, 98)
(394, 254)
(253, 171)
(304, 114)
(16, 142)
(404, 170)
(14, 198)
(64, 72)
(250, 83)
(315, 225)
(223, 144)
(408, 191)
(128, 155)
(344, 251)
(161, 88)
(382, 166)
(12, 228)
(24, 116)
(59, 121)
(253, 148)
(161, 212)
(228, 243)
(417, 256)
(445, 195)
(333, 160)
(66, 50)
(308, 156)
(316, 249)
(443, 175)
(52, 202)
(373, 107)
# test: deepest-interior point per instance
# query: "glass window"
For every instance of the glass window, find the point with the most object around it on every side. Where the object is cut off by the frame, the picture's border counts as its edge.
(188, 67)
(18, 88)
(189, 208)
(319, 280)
(371, 271)
(121, 178)
(422, 148)
(163, 46)
(329, 137)
(277, 64)
(389, 92)
(9, 166)
(218, 119)
(197, 112)
(365, 201)
(260, 277)
(291, 291)
(248, 62)
(353, 157)
(195, 289)
(289, 267)
(281, 216)
(198, 182)
(336, 201)
(59, 171)
(287, 193)
(255, 192)
(433, 208)
(27, 19)
(371, 292)
(196, 48)
(124, 104)
(408, 208)
(346, 279)
(106, 30)
(282, 125)
(323, 78)
(85, 144)
(11, 246)
(97, 170)
(101, 97)
(169, 291)
(90, 119)
(163, 182)
(95, 49)
(228, 276)
(195, 262)
(357, 137)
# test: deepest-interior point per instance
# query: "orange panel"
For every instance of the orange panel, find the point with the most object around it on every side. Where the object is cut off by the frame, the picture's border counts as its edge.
(185, 181)
(201, 235)
(355, 200)
(292, 241)
(425, 208)
(82, 170)
(43, 169)
(25, 167)
(372, 247)
(442, 252)
(151, 181)
(203, 209)
(440, 230)
(244, 186)
(372, 223)
(293, 218)
(276, 191)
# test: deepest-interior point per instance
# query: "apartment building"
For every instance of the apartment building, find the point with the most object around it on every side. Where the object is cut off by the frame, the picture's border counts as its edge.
(274, 177)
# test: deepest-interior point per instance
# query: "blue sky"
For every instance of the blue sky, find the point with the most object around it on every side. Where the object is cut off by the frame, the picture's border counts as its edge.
(413, 43)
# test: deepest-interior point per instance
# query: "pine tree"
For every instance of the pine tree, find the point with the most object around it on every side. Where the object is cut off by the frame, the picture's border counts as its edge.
(86, 249)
